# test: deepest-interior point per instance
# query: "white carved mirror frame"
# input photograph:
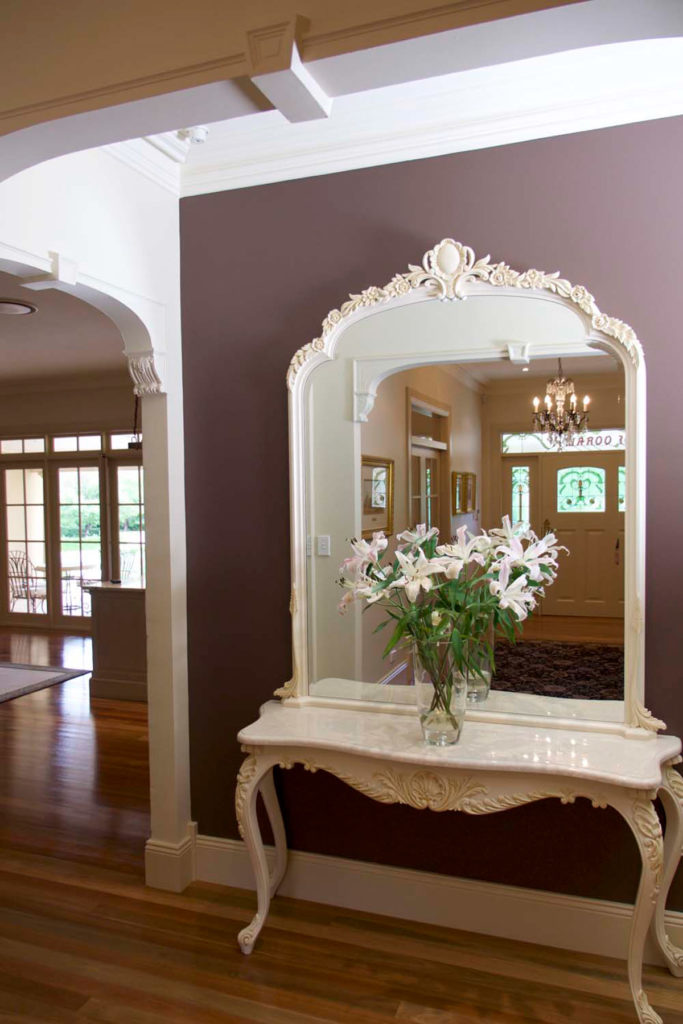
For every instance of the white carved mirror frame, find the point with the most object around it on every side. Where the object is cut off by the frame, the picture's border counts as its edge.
(451, 272)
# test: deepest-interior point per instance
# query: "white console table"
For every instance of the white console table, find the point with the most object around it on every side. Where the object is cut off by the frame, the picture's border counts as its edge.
(492, 768)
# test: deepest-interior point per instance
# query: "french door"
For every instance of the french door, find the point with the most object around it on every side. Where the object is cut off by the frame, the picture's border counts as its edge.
(582, 501)
(582, 505)
(77, 559)
(68, 521)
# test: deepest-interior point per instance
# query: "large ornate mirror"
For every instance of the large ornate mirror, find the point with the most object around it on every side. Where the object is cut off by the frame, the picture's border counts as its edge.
(416, 405)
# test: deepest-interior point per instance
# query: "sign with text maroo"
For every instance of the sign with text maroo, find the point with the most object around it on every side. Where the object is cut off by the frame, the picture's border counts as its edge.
(597, 440)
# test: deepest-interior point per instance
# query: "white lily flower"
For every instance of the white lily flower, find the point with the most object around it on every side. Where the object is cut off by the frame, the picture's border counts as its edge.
(346, 600)
(414, 538)
(539, 559)
(370, 552)
(417, 571)
(508, 532)
(513, 595)
(459, 554)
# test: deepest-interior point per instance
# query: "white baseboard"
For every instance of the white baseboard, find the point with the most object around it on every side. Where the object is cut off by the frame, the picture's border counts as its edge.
(528, 915)
(171, 866)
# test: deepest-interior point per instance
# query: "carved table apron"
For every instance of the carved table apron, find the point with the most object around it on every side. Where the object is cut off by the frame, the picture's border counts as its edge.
(492, 768)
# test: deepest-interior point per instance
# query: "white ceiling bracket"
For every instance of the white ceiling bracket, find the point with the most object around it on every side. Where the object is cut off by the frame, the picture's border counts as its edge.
(518, 353)
(62, 271)
(279, 73)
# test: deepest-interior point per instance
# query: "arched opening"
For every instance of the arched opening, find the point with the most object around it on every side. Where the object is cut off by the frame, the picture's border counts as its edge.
(104, 349)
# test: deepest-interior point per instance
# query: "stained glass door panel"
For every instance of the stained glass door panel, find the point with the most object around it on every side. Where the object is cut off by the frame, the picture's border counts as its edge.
(25, 533)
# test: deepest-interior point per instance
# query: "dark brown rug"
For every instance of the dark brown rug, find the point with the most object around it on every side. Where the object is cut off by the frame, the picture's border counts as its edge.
(591, 671)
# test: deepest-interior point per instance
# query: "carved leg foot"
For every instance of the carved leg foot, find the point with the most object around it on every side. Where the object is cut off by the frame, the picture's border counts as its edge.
(644, 823)
(671, 795)
(276, 823)
(249, 782)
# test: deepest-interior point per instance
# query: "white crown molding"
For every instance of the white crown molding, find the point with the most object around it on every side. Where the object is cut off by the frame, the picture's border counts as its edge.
(517, 102)
(486, 908)
(174, 145)
(154, 157)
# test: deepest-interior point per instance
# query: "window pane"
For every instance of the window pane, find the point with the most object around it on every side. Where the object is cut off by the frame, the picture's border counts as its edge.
(90, 522)
(581, 489)
(621, 489)
(35, 522)
(34, 444)
(69, 524)
(89, 442)
(131, 564)
(65, 444)
(90, 485)
(12, 447)
(16, 522)
(130, 522)
(68, 486)
(119, 442)
(14, 486)
(91, 561)
(34, 486)
(36, 554)
(129, 483)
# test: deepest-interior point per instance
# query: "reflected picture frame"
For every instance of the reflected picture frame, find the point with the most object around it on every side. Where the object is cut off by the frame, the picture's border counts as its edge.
(377, 495)
(463, 492)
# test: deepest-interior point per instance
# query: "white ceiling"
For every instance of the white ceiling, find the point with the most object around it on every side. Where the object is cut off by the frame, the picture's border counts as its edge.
(64, 337)
(542, 369)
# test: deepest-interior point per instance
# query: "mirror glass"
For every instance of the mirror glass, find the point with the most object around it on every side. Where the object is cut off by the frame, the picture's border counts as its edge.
(425, 415)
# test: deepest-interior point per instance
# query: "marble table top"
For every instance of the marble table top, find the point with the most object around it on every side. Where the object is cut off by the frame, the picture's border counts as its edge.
(629, 762)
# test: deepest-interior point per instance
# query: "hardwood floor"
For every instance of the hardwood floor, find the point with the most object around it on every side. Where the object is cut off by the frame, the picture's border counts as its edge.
(83, 940)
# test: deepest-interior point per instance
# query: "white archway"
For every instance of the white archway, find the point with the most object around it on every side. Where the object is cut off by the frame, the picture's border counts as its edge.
(105, 260)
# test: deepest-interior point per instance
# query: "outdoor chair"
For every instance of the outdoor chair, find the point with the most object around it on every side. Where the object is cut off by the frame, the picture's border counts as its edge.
(26, 584)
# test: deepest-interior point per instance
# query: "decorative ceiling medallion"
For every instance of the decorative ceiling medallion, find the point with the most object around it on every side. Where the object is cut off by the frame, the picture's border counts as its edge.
(448, 271)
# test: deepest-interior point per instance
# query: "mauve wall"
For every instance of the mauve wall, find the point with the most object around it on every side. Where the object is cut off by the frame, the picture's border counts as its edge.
(260, 269)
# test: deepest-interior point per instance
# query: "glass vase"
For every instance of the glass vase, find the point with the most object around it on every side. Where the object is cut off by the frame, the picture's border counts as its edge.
(440, 691)
(478, 654)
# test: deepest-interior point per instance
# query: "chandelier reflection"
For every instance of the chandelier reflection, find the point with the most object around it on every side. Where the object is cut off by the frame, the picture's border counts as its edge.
(560, 419)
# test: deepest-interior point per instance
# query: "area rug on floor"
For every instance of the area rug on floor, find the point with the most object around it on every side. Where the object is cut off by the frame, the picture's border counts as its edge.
(592, 671)
(16, 680)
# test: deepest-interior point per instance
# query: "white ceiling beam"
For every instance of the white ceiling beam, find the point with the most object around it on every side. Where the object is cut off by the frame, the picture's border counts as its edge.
(279, 73)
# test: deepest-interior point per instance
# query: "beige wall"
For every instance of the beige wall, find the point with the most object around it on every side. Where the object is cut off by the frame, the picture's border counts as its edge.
(507, 407)
(385, 433)
(103, 402)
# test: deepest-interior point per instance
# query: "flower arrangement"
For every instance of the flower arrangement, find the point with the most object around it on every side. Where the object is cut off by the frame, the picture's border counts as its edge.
(452, 594)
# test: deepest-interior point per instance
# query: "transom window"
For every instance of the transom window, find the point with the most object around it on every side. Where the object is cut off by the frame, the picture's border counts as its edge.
(22, 445)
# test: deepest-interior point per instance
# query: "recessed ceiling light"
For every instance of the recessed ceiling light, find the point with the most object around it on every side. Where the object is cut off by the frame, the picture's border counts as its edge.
(15, 307)
(525, 369)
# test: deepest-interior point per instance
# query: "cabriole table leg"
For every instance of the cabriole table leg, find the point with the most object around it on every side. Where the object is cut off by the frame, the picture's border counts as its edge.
(642, 818)
(249, 781)
(671, 795)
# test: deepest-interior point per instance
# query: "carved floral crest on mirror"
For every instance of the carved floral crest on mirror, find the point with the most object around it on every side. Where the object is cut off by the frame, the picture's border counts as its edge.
(476, 321)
